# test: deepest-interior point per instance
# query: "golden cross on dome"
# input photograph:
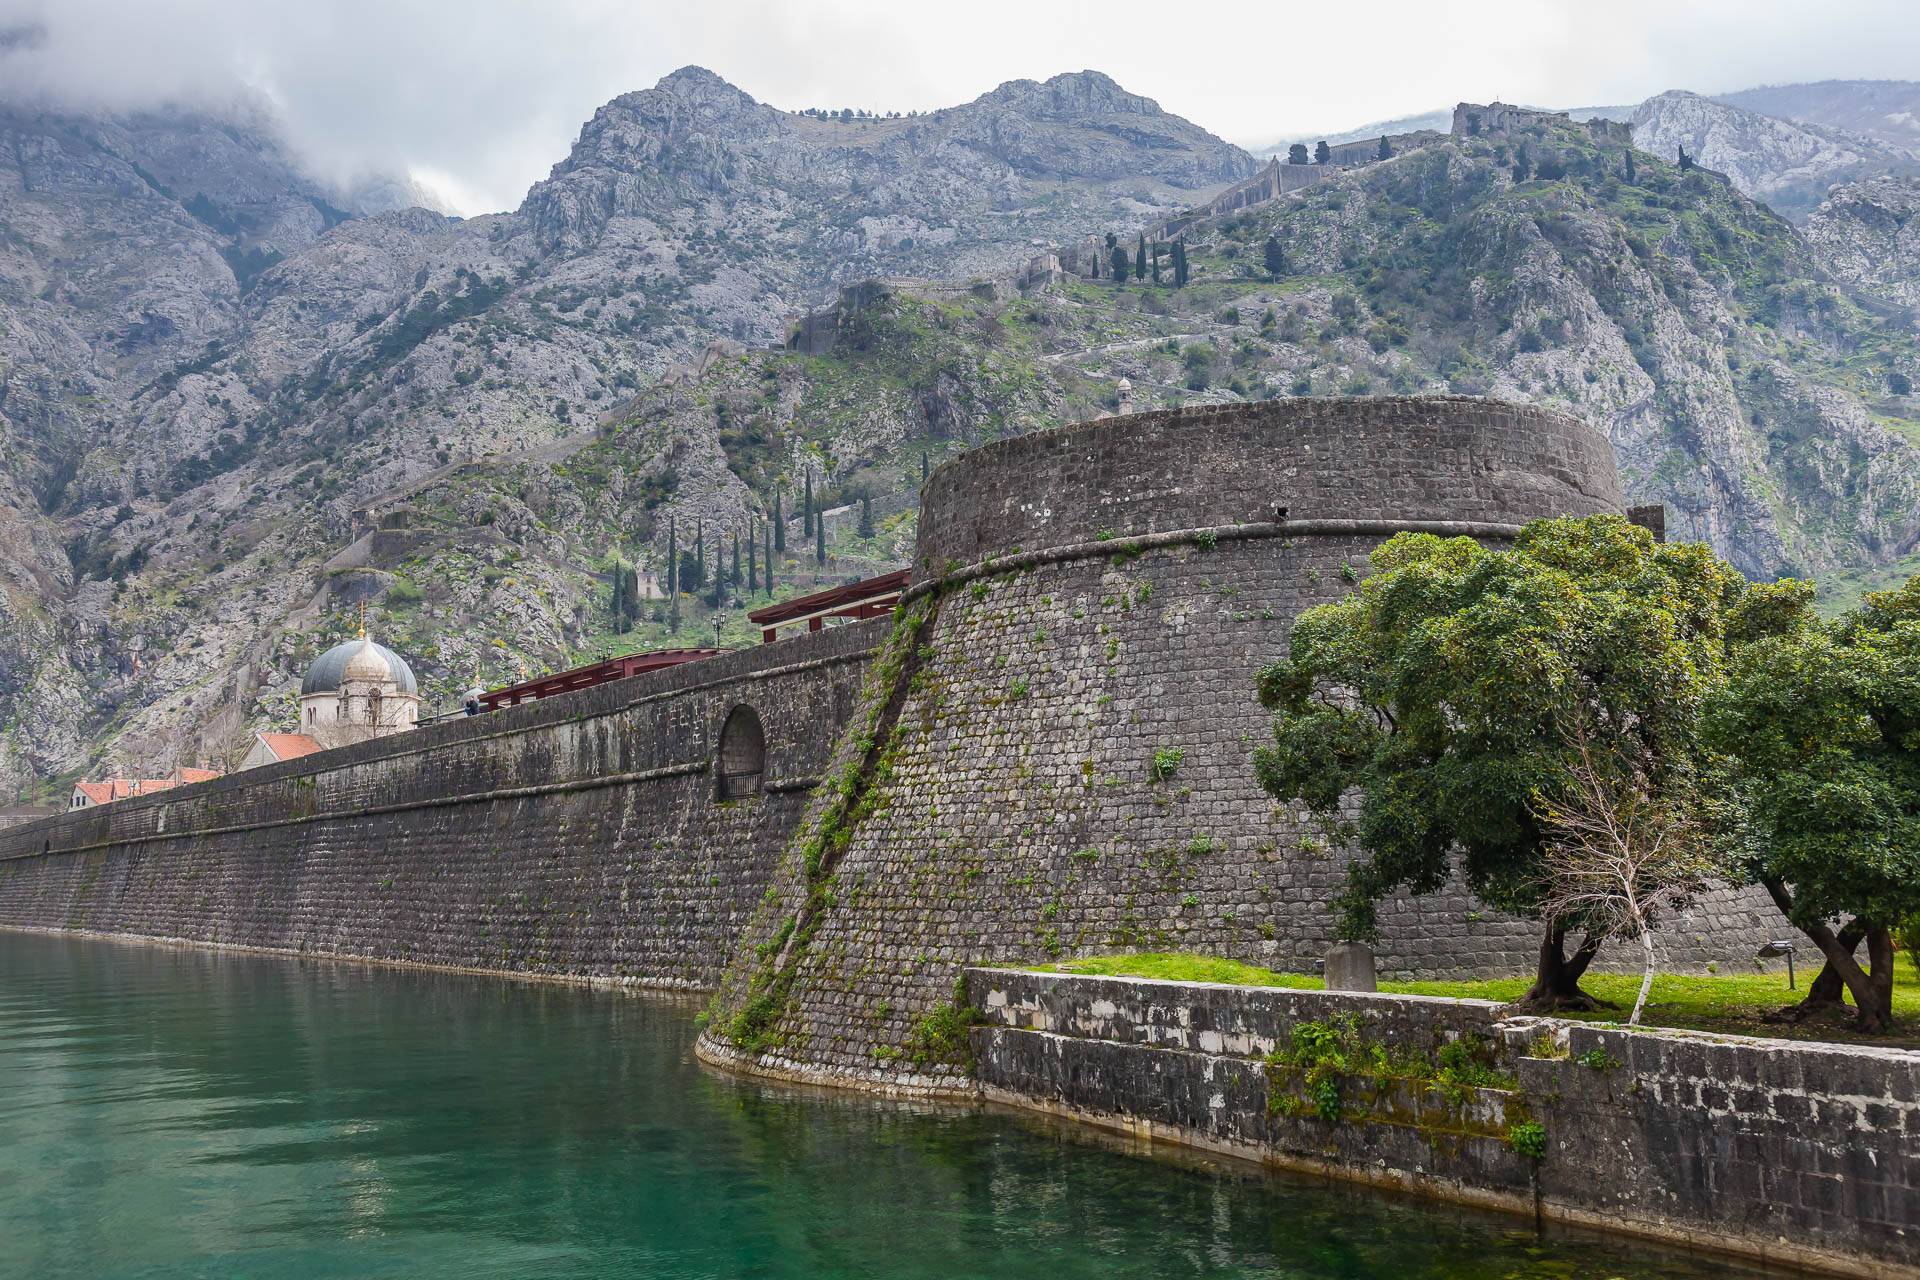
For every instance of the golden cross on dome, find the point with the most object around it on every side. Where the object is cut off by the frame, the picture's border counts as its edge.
(363, 619)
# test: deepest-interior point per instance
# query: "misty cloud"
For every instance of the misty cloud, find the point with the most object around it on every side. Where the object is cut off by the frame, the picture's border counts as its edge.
(478, 98)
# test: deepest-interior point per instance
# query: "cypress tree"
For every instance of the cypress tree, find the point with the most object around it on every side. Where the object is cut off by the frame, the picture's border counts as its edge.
(924, 468)
(1322, 154)
(806, 520)
(1386, 149)
(673, 575)
(1156, 264)
(866, 515)
(735, 579)
(1631, 179)
(820, 541)
(700, 542)
(753, 573)
(769, 562)
(778, 530)
(1140, 260)
(1119, 265)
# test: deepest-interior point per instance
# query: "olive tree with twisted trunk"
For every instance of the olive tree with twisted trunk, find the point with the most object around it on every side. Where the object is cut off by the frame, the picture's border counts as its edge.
(1439, 693)
(1820, 724)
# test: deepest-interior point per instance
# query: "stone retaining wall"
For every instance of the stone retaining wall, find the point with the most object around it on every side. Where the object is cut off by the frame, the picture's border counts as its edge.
(1789, 1152)
(580, 836)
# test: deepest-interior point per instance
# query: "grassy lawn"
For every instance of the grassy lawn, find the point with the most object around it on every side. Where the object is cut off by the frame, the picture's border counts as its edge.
(1735, 1004)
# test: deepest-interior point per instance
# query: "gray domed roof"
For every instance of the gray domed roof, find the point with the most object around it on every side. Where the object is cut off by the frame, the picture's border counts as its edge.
(327, 671)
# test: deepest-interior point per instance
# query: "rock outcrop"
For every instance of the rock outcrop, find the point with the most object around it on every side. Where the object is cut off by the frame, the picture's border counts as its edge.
(1868, 235)
(1785, 164)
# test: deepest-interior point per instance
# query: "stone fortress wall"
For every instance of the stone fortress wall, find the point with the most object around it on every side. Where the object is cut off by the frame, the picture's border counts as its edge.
(582, 836)
(1088, 597)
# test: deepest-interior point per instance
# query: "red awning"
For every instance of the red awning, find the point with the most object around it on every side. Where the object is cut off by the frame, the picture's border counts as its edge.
(868, 598)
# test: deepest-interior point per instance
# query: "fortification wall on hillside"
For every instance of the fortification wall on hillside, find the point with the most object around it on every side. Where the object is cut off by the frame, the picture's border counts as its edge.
(581, 836)
(1089, 597)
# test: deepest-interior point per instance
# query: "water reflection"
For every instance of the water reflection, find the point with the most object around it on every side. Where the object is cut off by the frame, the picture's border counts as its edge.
(174, 1112)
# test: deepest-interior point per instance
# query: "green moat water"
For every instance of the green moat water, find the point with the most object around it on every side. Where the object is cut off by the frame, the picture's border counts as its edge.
(179, 1113)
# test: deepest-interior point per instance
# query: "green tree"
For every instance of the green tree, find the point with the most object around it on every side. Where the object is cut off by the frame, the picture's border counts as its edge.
(778, 528)
(925, 468)
(1297, 153)
(866, 515)
(693, 572)
(1385, 151)
(1180, 274)
(734, 578)
(673, 575)
(1522, 165)
(753, 572)
(1820, 722)
(770, 560)
(806, 512)
(1444, 689)
(1632, 177)
(1140, 260)
(820, 540)
(1899, 384)
(1276, 259)
(1686, 161)
(1323, 154)
(1119, 264)
(1155, 262)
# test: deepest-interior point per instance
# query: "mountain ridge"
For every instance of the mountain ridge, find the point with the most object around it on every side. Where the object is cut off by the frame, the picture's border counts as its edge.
(191, 460)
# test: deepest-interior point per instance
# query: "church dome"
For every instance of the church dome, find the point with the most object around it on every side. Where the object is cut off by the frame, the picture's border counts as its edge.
(359, 659)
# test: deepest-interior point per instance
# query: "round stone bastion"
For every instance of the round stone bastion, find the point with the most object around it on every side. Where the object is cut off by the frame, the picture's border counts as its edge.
(1055, 752)
(1448, 459)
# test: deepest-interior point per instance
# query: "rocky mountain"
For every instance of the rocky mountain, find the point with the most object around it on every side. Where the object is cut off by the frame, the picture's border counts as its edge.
(467, 426)
(1789, 166)
(208, 365)
(802, 203)
(1886, 110)
(1868, 235)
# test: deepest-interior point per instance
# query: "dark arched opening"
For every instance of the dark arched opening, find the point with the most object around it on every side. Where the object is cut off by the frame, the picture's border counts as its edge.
(743, 754)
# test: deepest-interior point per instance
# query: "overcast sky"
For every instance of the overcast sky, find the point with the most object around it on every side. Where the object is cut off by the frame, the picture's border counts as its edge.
(478, 98)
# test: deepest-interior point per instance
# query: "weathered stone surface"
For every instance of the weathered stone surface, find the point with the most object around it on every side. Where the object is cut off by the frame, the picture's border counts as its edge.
(1781, 1150)
(1018, 817)
(580, 836)
(1350, 967)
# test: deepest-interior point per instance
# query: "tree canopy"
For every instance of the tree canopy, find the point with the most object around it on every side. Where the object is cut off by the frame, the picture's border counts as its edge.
(1820, 724)
(1445, 687)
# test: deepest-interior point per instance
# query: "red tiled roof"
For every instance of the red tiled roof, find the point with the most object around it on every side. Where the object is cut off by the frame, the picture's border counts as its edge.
(288, 746)
(184, 774)
(111, 789)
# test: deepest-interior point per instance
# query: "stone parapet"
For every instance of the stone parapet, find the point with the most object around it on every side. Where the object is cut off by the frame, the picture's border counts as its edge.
(1780, 1151)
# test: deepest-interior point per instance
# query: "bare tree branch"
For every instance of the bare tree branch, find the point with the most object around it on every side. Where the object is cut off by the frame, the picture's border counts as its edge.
(1619, 850)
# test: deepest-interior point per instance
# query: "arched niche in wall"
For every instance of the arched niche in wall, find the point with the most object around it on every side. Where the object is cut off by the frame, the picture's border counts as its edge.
(743, 754)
